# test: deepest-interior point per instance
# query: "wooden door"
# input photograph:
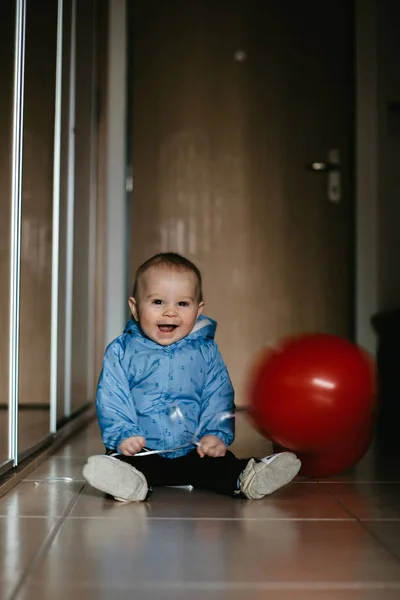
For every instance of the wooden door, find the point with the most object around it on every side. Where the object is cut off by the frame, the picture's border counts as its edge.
(231, 101)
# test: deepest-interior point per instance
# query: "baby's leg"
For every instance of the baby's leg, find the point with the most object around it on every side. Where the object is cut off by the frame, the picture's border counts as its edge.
(250, 478)
(132, 478)
(263, 477)
(112, 476)
(219, 475)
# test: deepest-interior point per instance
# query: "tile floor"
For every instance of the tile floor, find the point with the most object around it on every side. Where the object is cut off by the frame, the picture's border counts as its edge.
(337, 539)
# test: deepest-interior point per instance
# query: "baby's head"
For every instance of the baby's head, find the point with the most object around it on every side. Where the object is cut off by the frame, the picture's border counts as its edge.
(167, 297)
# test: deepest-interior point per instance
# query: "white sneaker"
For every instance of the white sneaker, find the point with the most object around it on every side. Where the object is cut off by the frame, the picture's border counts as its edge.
(117, 478)
(268, 475)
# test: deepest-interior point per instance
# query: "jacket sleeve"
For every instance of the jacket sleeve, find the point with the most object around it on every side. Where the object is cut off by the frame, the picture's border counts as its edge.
(116, 411)
(217, 407)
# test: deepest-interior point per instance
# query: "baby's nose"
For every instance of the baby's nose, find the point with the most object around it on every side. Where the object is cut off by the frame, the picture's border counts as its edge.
(170, 311)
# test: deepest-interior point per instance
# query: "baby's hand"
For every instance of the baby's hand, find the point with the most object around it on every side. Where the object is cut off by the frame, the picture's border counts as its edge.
(132, 445)
(211, 445)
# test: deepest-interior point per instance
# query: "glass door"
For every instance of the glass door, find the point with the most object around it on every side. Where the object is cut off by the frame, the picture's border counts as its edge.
(7, 48)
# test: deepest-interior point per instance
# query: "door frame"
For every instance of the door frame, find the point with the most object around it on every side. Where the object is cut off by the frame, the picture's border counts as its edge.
(366, 172)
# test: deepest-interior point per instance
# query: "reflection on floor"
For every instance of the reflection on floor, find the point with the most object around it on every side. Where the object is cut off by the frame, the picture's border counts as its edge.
(33, 426)
(332, 540)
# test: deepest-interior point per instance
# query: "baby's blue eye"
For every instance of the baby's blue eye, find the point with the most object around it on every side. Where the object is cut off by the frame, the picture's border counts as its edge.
(158, 302)
(183, 303)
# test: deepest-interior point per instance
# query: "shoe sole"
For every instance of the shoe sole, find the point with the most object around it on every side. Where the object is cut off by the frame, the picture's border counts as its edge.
(114, 477)
(275, 474)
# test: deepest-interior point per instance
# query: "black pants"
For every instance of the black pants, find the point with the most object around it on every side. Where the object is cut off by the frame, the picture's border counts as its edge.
(218, 475)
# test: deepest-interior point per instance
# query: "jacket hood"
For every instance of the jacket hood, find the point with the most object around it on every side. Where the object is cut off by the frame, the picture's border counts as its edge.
(204, 327)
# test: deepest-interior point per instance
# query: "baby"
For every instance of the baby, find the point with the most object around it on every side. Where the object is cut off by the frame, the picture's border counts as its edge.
(165, 402)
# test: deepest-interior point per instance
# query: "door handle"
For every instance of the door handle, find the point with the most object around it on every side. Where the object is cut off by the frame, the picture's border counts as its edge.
(332, 168)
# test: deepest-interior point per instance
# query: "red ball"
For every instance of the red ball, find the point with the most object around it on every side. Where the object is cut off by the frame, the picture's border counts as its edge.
(340, 457)
(311, 391)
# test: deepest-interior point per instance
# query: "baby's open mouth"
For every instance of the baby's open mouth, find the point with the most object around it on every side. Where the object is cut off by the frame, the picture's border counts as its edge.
(167, 328)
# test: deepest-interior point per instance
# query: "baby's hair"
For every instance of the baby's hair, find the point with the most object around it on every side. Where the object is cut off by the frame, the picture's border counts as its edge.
(168, 260)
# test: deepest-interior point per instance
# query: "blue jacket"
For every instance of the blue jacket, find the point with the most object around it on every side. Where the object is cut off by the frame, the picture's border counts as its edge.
(165, 393)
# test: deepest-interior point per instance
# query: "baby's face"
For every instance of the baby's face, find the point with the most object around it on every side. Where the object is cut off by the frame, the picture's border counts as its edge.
(167, 306)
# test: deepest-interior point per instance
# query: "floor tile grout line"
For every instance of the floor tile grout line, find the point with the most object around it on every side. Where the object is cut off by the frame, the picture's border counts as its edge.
(224, 519)
(370, 532)
(360, 481)
(379, 519)
(342, 506)
(166, 518)
(376, 537)
(321, 586)
(38, 480)
(339, 502)
(44, 548)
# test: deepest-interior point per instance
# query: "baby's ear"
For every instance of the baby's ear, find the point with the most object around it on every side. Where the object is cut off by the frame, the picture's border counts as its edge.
(134, 308)
(200, 308)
